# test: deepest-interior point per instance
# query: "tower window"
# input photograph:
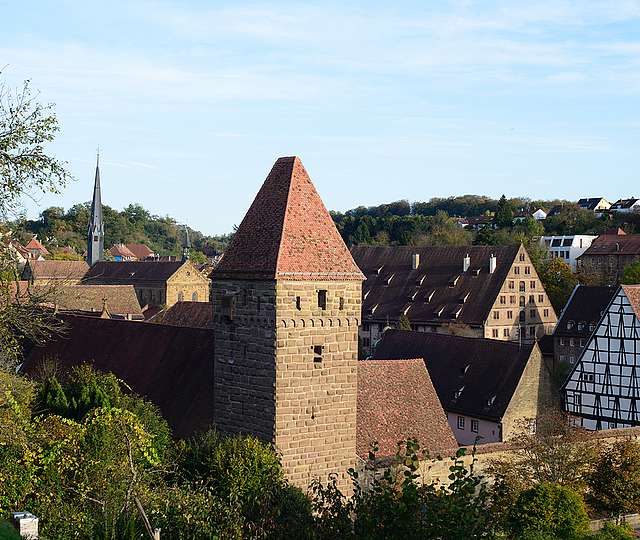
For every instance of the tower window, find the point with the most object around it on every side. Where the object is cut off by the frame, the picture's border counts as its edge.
(322, 299)
(194, 297)
(180, 296)
(317, 354)
(298, 303)
(341, 303)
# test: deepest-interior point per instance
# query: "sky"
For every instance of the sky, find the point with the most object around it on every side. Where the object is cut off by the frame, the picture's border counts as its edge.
(191, 102)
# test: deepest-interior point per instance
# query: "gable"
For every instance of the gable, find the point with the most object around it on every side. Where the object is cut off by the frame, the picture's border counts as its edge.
(188, 273)
(604, 385)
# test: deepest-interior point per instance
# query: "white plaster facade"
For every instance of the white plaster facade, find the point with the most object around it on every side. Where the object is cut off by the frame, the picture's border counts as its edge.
(568, 248)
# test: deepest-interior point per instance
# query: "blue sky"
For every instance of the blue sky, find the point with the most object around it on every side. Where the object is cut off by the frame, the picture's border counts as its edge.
(191, 102)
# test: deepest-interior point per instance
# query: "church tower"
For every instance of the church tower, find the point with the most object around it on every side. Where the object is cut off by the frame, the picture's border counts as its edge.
(287, 298)
(95, 233)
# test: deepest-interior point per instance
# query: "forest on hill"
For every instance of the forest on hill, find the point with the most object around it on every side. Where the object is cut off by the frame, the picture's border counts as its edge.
(58, 228)
(434, 222)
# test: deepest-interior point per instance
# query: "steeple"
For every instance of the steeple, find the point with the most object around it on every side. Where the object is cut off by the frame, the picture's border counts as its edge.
(95, 232)
(187, 245)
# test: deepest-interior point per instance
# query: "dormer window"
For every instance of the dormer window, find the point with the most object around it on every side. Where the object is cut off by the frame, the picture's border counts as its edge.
(430, 295)
(390, 278)
(457, 312)
(454, 281)
(581, 326)
(464, 297)
(420, 280)
(458, 392)
(570, 325)
(439, 312)
(491, 401)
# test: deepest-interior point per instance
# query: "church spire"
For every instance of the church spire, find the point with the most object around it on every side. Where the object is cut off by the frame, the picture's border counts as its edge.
(187, 244)
(95, 233)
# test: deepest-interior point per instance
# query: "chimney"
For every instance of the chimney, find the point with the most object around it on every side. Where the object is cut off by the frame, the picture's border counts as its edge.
(466, 263)
(492, 263)
(415, 261)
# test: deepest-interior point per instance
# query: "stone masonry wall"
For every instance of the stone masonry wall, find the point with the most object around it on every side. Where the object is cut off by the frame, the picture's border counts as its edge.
(244, 357)
(533, 397)
(187, 281)
(316, 389)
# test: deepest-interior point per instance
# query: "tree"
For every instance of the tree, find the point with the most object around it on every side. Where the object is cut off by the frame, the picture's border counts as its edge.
(631, 274)
(25, 127)
(504, 213)
(615, 482)
(558, 281)
(404, 323)
(549, 510)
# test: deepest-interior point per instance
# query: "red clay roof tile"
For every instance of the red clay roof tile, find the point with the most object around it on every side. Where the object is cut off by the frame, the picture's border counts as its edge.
(287, 233)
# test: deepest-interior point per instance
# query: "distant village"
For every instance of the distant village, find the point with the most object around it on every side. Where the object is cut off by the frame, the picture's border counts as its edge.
(287, 334)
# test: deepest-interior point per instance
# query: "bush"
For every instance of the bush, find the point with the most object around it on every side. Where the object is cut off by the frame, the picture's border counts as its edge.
(615, 482)
(611, 531)
(548, 509)
(7, 532)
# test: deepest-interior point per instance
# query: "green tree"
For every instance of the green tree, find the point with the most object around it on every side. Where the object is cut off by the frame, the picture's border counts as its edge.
(615, 482)
(26, 126)
(549, 510)
(558, 281)
(504, 213)
(631, 274)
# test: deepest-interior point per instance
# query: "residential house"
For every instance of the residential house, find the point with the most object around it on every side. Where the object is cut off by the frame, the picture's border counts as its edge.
(35, 247)
(539, 215)
(491, 390)
(479, 291)
(597, 205)
(142, 252)
(21, 254)
(603, 263)
(603, 389)
(121, 252)
(577, 323)
(568, 248)
(69, 272)
(626, 206)
(156, 283)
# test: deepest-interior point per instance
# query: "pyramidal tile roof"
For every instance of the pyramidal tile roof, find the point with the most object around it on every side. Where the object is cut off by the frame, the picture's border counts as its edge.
(287, 233)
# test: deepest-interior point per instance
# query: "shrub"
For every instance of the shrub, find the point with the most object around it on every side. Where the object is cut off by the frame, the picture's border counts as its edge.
(615, 482)
(611, 531)
(548, 509)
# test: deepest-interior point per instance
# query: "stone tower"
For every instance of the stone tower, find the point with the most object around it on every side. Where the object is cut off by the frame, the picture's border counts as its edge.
(287, 297)
(95, 233)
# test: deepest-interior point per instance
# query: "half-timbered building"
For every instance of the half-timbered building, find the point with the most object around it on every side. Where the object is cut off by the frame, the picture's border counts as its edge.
(603, 389)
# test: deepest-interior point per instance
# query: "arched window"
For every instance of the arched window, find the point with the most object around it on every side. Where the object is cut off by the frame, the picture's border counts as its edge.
(194, 297)
(180, 296)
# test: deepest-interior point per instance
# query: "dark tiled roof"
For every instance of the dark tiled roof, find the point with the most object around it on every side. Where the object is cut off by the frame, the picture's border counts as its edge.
(486, 370)
(287, 233)
(633, 294)
(586, 305)
(141, 251)
(396, 401)
(130, 272)
(194, 314)
(169, 365)
(614, 244)
(590, 203)
(546, 344)
(428, 289)
(120, 299)
(622, 204)
(69, 270)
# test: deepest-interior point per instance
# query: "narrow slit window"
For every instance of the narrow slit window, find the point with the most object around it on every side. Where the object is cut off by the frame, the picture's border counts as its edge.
(322, 299)
(341, 303)
(317, 354)
(298, 303)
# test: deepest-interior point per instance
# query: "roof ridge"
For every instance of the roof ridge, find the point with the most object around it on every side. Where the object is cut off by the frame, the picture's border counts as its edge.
(284, 214)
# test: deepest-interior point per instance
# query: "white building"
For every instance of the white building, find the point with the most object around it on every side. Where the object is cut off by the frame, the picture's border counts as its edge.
(626, 206)
(603, 390)
(568, 248)
(539, 214)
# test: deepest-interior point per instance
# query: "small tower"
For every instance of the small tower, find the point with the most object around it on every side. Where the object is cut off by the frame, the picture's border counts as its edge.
(95, 233)
(286, 301)
(187, 245)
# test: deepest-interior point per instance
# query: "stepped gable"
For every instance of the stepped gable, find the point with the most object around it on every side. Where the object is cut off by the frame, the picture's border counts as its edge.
(397, 401)
(287, 233)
